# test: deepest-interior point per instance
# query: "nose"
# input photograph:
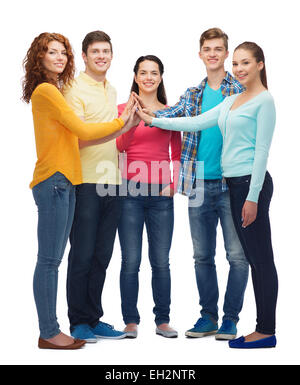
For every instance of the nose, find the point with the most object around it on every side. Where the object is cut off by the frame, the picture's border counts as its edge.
(60, 57)
(101, 55)
(238, 68)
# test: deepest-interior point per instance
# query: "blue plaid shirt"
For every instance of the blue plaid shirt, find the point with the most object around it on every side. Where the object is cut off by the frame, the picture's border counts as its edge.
(190, 104)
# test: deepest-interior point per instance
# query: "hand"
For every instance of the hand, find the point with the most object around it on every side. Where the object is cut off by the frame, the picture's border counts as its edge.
(167, 192)
(143, 115)
(128, 109)
(133, 120)
(146, 109)
(249, 213)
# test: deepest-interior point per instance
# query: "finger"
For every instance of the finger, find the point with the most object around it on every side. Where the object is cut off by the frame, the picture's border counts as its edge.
(137, 97)
(246, 220)
(244, 217)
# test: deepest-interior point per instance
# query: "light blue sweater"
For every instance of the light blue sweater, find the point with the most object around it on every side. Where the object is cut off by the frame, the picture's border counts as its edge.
(247, 134)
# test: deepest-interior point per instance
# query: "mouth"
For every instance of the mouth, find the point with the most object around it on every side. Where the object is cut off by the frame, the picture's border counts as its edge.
(241, 76)
(59, 66)
(148, 84)
(212, 61)
(100, 63)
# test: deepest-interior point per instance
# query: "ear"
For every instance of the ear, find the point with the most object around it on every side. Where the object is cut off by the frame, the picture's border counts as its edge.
(200, 54)
(260, 65)
(226, 56)
(84, 57)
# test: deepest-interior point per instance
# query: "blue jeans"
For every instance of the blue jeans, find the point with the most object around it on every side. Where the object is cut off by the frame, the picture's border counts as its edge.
(158, 214)
(257, 243)
(203, 225)
(92, 240)
(55, 199)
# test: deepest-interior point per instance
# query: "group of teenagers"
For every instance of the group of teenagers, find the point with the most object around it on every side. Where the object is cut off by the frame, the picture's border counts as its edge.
(89, 151)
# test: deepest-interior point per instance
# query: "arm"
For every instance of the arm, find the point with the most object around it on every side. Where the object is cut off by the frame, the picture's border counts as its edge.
(187, 124)
(175, 144)
(124, 140)
(132, 122)
(49, 99)
(169, 112)
(266, 117)
(87, 143)
(265, 127)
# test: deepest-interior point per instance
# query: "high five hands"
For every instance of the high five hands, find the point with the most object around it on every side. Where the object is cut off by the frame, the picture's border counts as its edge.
(129, 115)
(143, 111)
(134, 112)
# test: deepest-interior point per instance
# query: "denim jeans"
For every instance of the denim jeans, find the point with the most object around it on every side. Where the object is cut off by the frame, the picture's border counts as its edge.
(92, 240)
(55, 199)
(257, 244)
(157, 213)
(204, 219)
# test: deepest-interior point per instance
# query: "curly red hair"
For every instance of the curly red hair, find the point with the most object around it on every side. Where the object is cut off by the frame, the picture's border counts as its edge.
(35, 72)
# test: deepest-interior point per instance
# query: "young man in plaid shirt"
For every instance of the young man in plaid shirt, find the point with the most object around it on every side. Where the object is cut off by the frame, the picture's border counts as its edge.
(201, 180)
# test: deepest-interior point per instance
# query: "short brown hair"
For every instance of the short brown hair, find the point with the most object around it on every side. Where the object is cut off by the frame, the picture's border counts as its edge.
(93, 37)
(214, 33)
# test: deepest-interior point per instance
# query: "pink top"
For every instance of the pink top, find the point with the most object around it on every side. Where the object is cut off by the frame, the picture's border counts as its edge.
(148, 155)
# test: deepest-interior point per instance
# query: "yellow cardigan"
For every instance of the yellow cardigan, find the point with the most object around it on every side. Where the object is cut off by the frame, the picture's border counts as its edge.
(57, 129)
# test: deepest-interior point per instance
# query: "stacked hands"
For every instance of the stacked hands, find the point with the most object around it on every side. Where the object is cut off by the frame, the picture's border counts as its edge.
(134, 112)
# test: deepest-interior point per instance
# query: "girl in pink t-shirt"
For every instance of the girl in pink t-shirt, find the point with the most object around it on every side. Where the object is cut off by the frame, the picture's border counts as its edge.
(147, 155)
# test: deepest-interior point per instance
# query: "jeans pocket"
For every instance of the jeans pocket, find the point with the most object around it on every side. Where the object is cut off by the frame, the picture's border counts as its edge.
(239, 180)
(60, 182)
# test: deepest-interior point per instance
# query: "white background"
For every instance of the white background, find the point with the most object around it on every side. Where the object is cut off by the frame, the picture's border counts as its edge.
(169, 29)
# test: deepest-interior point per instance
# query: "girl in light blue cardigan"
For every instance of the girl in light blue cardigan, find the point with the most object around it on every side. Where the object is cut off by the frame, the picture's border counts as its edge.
(247, 123)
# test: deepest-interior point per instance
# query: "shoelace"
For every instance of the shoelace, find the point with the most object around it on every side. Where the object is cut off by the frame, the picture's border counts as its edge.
(108, 325)
(201, 322)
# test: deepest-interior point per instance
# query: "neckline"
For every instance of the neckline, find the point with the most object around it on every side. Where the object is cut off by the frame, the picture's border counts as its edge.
(211, 89)
(231, 110)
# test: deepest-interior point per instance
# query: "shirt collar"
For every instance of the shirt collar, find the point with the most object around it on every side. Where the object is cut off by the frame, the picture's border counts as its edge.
(228, 78)
(92, 81)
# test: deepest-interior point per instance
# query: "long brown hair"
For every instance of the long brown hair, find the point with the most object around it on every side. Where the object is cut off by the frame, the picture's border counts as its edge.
(258, 53)
(161, 93)
(35, 72)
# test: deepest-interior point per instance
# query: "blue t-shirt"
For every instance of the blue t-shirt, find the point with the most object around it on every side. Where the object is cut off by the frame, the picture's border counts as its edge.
(211, 141)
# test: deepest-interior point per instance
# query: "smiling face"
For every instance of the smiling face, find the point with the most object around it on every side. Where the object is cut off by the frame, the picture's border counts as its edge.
(98, 58)
(213, 53)
(245, 68)
(55, 59)
(148, 76)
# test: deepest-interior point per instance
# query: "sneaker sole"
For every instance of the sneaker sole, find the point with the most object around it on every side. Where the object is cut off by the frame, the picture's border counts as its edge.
(199, 335)
(90, 340)
(225, 337)
(111, 338)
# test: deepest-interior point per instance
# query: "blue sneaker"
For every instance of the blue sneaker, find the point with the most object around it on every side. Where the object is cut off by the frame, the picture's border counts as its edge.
(84, 332)
(227, 330)
(104, 330)
(203, 327)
